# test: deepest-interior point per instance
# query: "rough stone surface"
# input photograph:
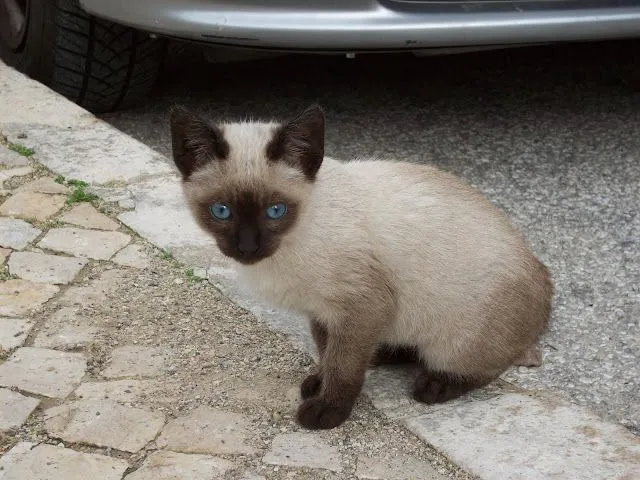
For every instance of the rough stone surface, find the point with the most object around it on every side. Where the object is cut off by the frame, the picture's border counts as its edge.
(132, 256)
(12, 159)
(65, 329)
(44, 185)
(122, 391)
(19, 297)
(16, 233)
(93, 293)
(43, 268)
(47, 462)
(180, 466)
(135, 361)
(59, 130)
(32, 102)
(14, 172)
(4, 253)
(42, 371)
(110, 194)
(85, 243)
(389, 388)
(518, 436)
(252, 476)
(104, 423)
(303, 450)
(15, 409)
(395, 468)
(162, 216)
(13, 332)
(32, 205)
(293, 324)
(207, 430)
(17, 454)
(86, 215)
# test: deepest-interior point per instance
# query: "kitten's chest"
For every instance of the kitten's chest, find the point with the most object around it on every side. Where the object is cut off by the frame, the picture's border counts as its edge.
(284, 289)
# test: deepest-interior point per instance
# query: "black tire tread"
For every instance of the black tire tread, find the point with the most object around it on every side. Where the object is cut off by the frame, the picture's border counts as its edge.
(100, 65)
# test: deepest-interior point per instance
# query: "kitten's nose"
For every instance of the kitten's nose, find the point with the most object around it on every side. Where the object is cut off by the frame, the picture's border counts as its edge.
(248, 241)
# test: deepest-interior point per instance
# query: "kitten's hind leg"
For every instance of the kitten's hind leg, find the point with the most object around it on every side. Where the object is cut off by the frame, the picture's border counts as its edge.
(438, 387)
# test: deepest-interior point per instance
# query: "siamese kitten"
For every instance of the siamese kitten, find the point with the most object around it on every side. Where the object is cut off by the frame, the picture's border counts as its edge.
(384, 258)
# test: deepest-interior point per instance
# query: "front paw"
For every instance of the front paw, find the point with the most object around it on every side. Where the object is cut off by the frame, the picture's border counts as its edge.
(316, 413)
(310, 386)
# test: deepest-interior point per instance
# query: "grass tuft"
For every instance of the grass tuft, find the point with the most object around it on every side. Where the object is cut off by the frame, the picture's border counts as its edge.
(192, 276)
(21, 149)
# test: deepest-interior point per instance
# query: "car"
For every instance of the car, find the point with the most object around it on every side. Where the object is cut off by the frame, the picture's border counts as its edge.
(106, 54)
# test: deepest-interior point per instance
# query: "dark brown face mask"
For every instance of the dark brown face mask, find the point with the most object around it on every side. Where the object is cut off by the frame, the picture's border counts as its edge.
(248, 226)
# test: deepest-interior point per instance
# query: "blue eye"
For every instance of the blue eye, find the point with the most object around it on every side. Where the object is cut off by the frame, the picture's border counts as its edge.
(220, 211)
(274, 212)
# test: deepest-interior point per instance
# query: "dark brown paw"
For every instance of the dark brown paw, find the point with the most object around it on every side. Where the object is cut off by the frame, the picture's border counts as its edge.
(310, 386)
(436, 389)
(315, 413)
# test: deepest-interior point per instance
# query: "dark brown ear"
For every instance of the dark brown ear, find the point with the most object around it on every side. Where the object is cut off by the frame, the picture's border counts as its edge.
(194, 141)
(300, 142)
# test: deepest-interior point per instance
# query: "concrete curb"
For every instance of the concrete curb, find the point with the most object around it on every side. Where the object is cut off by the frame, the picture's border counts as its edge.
(500, 432)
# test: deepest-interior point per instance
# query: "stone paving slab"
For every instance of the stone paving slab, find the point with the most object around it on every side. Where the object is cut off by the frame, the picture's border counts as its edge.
(121, 391)
(49, 118)
(12, 159)
(46, 462)
(396, 468)
(104, 423)
(43, 372)
(17, 454)
(161, 216)
(44, 185)
(43, 268)
(84, 243)
(180, 466)
(20, 297)
(13, 332)
(207, 430)
(32, 205)
(111, 194)
(517, 436)
(31, 100)
(16, 234)
(302, 449)
(97, 158)
(65, 330)
(135, 361)
(132, 256)
(94, 292)
(86, 215)
(15, 408)
(14, 172)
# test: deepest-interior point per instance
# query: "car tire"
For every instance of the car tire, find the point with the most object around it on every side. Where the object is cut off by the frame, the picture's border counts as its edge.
(98, 64)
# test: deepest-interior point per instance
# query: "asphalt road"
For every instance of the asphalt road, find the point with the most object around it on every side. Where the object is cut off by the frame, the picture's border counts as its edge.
(551, 134)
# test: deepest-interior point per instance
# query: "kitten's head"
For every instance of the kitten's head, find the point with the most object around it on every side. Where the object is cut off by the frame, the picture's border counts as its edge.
(247, 183)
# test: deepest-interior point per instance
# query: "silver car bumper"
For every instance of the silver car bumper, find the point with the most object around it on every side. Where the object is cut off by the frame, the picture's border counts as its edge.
(376, 25)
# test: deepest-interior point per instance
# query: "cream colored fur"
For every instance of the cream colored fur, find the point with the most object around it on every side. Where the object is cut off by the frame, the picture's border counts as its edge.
(469, 293)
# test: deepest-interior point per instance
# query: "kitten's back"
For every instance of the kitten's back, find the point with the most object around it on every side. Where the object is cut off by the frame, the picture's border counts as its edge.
(457, 264)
